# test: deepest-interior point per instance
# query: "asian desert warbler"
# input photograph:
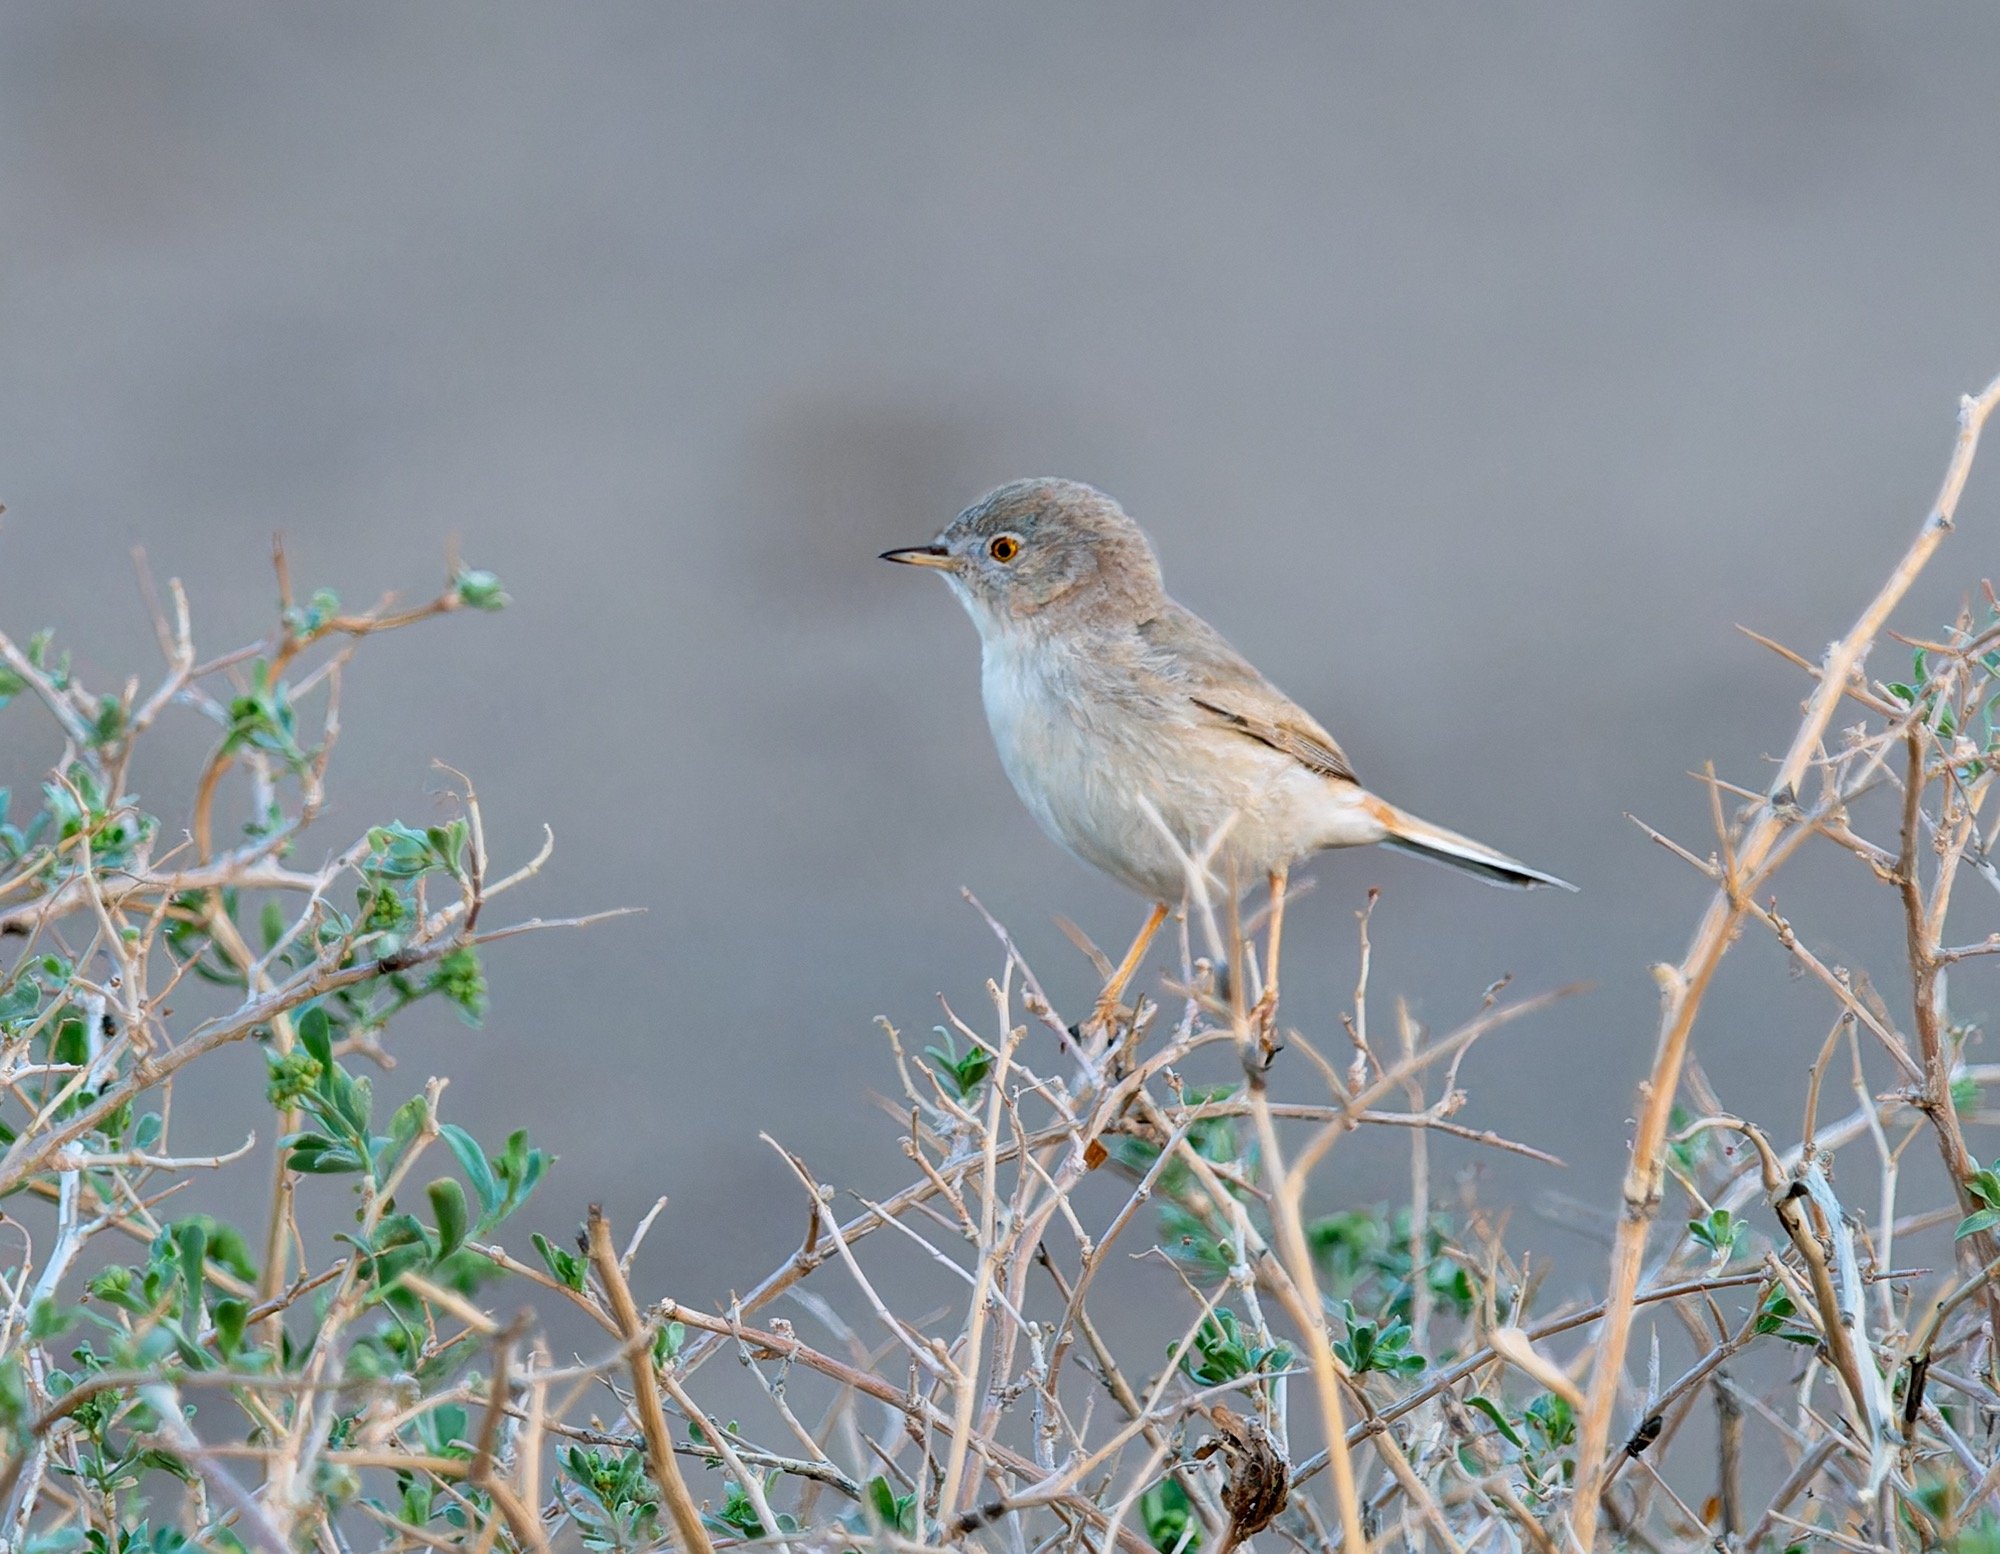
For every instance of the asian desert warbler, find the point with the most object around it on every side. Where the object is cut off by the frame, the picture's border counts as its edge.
(1140, 739)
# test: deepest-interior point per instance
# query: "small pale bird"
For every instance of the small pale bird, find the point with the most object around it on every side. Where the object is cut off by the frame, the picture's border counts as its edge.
(1139, 739)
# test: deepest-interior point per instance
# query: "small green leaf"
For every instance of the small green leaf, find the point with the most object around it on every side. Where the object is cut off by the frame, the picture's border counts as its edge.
(472, 1161)
(667, 1342)
(1776, 1309)
(317, 1155)
(894, 1512)
(48, 1317)
(448, 1209)
(1492, 1411)
(461, 979)
(191, 1240)
(961, 1075)
(1719, 1231)
(1376, 1346)
(316, 1034)
(1552, 1418)
(118, 1287)
(405, 1123)
(479, 590)
(566, 1267)
(520, 1168)
(1168, 1518)
(231, 1316)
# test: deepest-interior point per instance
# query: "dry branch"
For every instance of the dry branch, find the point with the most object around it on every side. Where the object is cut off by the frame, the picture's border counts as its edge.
(1307, 1372)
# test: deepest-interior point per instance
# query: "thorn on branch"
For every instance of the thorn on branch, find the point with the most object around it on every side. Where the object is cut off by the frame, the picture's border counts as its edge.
(1647, 1433)
(1913, 1394)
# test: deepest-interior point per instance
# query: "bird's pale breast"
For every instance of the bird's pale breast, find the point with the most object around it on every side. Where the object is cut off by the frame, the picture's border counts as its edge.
(1117, 765)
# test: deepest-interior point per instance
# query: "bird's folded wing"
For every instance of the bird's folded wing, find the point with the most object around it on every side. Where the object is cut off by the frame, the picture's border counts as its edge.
(1300, 738)
(1225, 687)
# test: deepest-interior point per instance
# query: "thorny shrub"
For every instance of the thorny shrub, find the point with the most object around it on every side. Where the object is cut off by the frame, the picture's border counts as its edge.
(1380, 1374)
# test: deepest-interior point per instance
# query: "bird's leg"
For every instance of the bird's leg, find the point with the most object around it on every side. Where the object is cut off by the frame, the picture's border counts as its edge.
(1114, 990)
(1264, 1016)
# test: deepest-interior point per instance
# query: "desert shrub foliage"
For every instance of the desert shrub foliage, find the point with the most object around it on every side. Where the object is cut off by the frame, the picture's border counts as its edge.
(1789, 1340)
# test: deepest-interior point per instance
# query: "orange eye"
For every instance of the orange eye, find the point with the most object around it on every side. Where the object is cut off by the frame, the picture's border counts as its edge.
(1004, 548)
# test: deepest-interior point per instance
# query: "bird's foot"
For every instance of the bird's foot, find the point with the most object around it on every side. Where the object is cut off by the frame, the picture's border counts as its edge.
(1114, 1029)
(1263, 1023)
(1264, 1011)
(1107, 1019)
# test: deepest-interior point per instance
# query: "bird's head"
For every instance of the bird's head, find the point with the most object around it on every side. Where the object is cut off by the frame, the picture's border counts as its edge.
(1041, 551)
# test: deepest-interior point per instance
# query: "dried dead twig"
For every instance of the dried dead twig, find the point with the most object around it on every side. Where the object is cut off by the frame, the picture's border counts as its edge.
(645, 1386)
(1683, 987)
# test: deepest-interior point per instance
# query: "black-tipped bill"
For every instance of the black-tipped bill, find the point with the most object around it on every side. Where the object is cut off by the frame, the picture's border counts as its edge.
(922, 556)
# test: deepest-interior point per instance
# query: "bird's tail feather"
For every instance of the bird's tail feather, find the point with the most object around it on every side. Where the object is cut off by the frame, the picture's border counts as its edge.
(1406, 833)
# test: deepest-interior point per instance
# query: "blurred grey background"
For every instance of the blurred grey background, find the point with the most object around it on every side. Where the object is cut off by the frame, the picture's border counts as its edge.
(1474, 367)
